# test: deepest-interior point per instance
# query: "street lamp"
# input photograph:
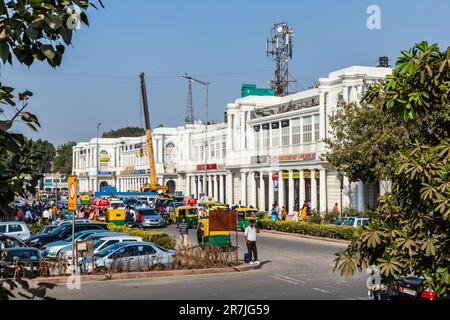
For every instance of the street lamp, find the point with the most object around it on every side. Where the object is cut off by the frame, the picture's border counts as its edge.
(97, 173)
(206, 84)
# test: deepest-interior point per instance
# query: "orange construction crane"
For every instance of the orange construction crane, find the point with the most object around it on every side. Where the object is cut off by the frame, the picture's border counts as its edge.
(153, 186)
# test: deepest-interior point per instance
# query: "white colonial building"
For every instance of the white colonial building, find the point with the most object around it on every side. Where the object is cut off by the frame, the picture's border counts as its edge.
(268, 150)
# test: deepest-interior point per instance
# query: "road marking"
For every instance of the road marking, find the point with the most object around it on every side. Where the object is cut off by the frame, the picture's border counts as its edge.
(285, 280)
(292, 279)
(324, 291)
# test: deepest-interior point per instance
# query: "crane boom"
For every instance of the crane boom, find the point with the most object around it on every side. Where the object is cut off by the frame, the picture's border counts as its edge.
(148, 133)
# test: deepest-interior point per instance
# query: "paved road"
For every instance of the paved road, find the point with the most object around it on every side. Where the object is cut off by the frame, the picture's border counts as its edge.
(293, 268)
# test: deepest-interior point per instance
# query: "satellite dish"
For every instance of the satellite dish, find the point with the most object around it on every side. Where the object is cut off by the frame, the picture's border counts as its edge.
(280, 29)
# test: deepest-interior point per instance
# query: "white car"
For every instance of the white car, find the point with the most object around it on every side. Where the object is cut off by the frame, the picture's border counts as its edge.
(356, 222)
(101, 243)
(17, 229)
(131, 257)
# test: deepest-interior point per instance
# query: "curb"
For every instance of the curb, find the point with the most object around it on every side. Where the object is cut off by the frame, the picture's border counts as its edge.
(298, 235)
(143, 275)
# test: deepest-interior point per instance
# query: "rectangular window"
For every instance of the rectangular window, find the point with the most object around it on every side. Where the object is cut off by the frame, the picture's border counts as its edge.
(257, 135)
(224, 149)
(307, 130)
(316, 128)
(285, 133)
(217, 149)
(275, 134)
(266, 137)
(296, 132)
(212, 148)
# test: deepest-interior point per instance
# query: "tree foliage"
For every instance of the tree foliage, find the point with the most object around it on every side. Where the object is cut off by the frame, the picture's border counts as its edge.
(125, 132)
(366, 141)
(29, 30)
(63, 158)
(410, 233)
(46, 150)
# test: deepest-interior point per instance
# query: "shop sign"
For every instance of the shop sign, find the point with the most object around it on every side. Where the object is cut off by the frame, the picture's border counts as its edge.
(104, 156)
(307, 174)
(213, 166)
(292, 157)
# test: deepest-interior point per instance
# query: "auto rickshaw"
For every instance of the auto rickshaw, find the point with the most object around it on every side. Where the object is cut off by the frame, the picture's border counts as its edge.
(213, 239)
(245, 215)
(116, 216)
(188, 212)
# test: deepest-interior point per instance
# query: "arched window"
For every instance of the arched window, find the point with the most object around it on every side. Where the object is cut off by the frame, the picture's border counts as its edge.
(169, 153)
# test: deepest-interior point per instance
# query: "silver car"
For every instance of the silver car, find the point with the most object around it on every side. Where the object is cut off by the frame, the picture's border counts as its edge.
(131, 256)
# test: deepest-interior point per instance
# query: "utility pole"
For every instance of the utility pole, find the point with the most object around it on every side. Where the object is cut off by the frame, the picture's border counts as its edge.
(97, 173)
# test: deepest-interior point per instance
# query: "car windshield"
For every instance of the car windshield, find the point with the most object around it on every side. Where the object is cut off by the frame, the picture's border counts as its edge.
(160, 248)
(108, 250)
(98, 243)
(23, 255)
(148, 212)
(59, 229)
(251, 213)
(191, 211)
(349, 222)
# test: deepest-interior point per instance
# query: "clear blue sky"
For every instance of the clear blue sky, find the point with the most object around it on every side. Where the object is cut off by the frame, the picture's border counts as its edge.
(219, 41)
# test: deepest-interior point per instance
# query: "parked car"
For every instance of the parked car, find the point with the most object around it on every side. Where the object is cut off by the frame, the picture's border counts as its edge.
(62, 232)
(407, 288)
(59, 223)
(102, 242)
(152, 218)
(340, 221)
(12, 242)
(15, 228)
(20, 261)
(356, 222)
(66, 251)
(48, 229)
(132, 256)
(52, 249)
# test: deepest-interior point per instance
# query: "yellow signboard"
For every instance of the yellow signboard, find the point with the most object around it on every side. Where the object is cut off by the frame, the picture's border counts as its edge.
(72, 197)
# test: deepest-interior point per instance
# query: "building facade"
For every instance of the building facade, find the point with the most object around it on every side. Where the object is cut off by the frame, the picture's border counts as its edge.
(268, 150)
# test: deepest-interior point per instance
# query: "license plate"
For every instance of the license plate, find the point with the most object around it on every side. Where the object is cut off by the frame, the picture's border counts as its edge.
(408, 291)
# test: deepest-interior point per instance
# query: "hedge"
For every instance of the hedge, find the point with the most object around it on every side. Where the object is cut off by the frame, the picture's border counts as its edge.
(162, 239)
(311, 229)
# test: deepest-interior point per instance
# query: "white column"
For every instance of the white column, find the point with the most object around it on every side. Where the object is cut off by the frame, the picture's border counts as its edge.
(290, 210)
(221, 191)
(322, 117)
(262, 192)
(252, 200)
(229, 188)
(216, 188)
(280, 189)
(243, 188)
(346, 203)
(188, 186)
(302, 189)
(229, 135)
(345, 93)
(323, 190)
(271, 192)
(313, 190)
(361, 200)
(210, 189)
(242, 131)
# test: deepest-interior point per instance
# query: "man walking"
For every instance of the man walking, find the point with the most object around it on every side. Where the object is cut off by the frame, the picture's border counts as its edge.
(250, 239)
(184, 230)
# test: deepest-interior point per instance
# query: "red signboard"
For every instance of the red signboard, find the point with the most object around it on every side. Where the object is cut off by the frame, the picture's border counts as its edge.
(213, 166)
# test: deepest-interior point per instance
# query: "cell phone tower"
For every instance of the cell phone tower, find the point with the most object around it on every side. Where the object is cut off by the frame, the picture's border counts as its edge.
(279, 49)
(189, 118)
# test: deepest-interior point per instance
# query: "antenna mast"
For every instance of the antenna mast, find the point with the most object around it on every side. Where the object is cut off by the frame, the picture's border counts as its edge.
(279, 49)
(189, 118)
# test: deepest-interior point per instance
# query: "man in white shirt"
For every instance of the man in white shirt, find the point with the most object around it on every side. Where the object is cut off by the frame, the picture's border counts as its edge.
(250, 239)
(46, 214)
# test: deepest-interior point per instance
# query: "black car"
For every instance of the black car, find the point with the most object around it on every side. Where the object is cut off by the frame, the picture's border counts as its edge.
(62, 232)
(409, 289)
(20, 262)
(48, 229)
(12, 242)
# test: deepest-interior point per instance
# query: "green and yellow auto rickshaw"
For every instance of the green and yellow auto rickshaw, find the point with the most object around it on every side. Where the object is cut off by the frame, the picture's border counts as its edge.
(190, 213)
(214, 238)
(116, 216)
(245, 215)
(85, 200)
